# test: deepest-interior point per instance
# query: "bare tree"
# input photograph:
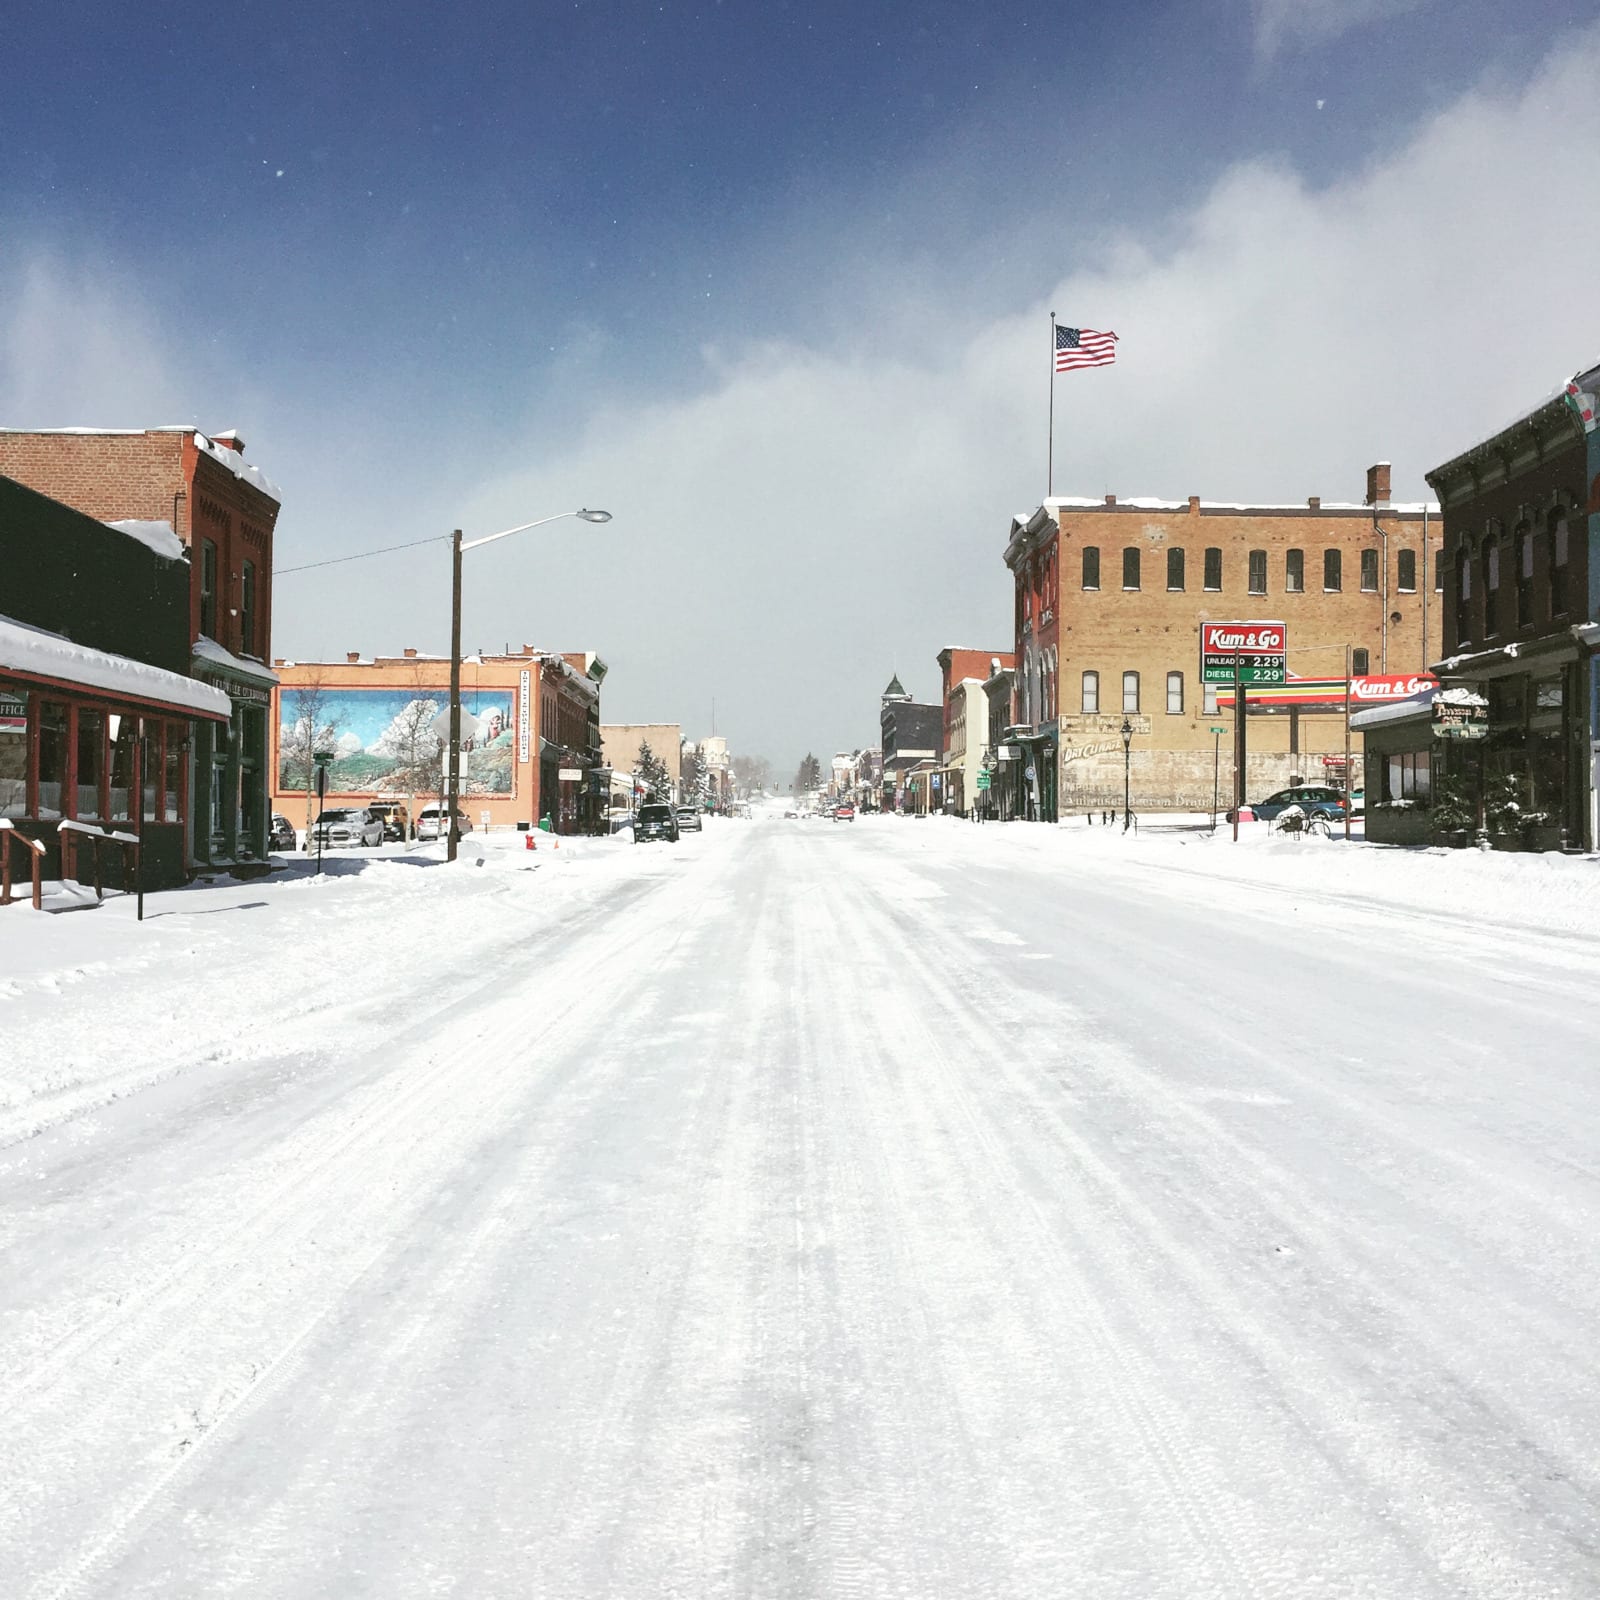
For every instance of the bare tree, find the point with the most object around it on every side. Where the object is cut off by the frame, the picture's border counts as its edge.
(416, 749)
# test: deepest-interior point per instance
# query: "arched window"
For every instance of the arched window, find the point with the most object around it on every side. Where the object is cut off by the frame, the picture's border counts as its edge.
(1091, 692)
(1130, 691)
(1174, 694)
(1175, 570)
(1258, 572)
(1091, 566)
(1294, 571)
(1130, 567)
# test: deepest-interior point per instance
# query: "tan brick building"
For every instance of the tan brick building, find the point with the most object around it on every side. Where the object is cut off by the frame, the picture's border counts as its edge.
(531, 739)
(619, 749)
(224, 510)
(1110, 596)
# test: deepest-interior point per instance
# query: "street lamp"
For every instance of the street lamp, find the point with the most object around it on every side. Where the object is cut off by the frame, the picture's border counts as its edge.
(1127, 746)
(456, 547)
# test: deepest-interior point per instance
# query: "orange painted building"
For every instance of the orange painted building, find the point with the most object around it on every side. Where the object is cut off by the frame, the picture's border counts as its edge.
(530, 735)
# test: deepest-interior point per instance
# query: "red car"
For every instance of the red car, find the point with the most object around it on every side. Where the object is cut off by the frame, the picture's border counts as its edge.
(844, 813)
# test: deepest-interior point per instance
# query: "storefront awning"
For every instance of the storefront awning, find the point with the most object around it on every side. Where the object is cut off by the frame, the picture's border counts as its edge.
(53, 660)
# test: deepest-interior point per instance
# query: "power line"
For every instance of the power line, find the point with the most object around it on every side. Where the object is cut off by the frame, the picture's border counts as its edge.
(388, 550)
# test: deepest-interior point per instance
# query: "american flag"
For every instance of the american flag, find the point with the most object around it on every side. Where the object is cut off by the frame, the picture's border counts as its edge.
(1083, 347)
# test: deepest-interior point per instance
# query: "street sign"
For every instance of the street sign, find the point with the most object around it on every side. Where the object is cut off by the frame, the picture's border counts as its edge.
(1030, 774)
(470, 726)
(322, 777)
(983, 780)
(1246, 652)
(1216, 730)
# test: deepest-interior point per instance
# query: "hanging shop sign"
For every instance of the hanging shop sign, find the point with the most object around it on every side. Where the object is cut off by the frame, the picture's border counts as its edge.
(1452, 720)
(1249, 652)
(570, 774)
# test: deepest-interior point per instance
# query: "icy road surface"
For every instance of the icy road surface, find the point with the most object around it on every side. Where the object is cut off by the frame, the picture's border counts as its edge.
(888, 1209)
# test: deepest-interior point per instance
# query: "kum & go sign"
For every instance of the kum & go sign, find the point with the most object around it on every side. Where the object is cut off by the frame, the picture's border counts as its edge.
(1252, 652)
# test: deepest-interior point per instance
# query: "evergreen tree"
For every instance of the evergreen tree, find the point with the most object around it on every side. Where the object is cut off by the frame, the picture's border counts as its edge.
(809, 776)
(651, 771)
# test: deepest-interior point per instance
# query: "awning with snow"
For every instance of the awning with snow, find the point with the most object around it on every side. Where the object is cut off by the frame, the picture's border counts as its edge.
(53, 660)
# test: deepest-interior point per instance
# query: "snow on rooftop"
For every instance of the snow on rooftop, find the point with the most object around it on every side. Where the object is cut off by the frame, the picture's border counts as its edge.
(231, 459)
(24, 648)
(157, 536)
(209, 650)
(1153, 503)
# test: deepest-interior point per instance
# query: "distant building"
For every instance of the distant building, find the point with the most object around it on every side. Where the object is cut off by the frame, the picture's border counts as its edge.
(966, 721)
(912, 742)
(619, 750)
(225, 511)
(530, 735)
(1109, 600)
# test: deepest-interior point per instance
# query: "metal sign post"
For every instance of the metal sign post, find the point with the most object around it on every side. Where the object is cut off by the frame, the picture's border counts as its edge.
(322, 795)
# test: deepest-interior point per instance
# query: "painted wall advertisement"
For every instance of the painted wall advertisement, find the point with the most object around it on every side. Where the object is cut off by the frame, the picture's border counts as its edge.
(382, 740)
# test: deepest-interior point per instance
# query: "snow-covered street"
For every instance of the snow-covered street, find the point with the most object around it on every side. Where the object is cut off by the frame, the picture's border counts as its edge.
(904, 1209)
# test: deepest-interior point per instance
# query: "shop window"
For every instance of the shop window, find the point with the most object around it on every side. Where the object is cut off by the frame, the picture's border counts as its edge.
(1258, 572)
(1174, 694)
(208, 588)
(150, 778)
(1332, 572)
(247, 610)
(1130, 567)
(1175, 571)
(1406, 571)
(1294, 571)
(1091, 692)
(1559, 577)
(1408, 776)
(123, 748)
(1091, 566)
(13, 750)
(52, 759)
(172, 764)
(1213, 573)
(1491, 589)
(1360, 663)
(1369, 571)
(91, 761)
(1130, 692)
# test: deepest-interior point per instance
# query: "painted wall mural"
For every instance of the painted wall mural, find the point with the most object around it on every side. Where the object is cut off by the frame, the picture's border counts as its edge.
(383, 741)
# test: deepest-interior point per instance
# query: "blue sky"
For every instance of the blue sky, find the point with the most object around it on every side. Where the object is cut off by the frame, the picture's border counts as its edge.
(771, 282)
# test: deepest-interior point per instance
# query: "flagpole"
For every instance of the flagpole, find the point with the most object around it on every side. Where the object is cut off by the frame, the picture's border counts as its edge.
(1050, 470)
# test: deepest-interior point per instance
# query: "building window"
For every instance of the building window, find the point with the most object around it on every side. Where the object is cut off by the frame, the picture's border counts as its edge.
(1091, 691)
(1406, 571)
(208, 589)
(1408, 776)
(52, 759)
(13, 752)
(1294, 571)
(1369, 571)
(1175, 571)
(91, 761)
(1130, 691)
(1258, 572)
(1524, 556)
(1091, 566)
(122, 751)
(1491, 589)
(1130, 567)
(1208, 699)
(1174, 694)
(1558, 568)
(1463, 594)
(1360, 663)
(1332, 572)
(1213, 573)
(1438, 570)
(247, 610)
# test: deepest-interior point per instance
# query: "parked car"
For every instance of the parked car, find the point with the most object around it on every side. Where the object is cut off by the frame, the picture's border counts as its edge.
(280, 836)
(348, 825)
(432, 822)
(655, 822)
(1316, 800)
(689, 817)
(844, 813)
(396, 819)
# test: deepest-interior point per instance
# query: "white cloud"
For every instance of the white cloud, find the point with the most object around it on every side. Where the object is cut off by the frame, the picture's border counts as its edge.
(1290, 24)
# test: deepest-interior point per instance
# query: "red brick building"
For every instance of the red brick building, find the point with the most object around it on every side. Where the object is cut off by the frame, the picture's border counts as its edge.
(225, 511)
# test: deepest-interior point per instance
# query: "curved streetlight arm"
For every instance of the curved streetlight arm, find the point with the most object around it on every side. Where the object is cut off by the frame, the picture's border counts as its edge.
(522, 527)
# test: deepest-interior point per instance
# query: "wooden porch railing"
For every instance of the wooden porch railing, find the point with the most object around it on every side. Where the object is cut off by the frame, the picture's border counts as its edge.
(34, 848)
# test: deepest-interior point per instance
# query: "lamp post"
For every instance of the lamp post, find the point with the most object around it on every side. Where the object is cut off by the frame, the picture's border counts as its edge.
(1127, 747)
(456, 547)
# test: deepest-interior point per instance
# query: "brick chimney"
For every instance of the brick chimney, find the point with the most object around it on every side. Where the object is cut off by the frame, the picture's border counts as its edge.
(1378, 484)
(1313, 502)
(229, 441)
(352, 656)
(411, 652)
(1194, 505)
(1111, 499)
